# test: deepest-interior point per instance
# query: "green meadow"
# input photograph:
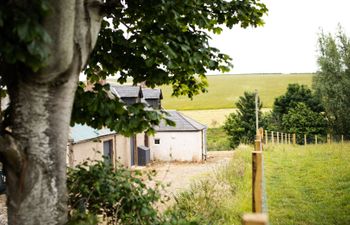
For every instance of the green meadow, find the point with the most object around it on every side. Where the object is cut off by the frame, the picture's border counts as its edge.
(224, 90)
(306, 185)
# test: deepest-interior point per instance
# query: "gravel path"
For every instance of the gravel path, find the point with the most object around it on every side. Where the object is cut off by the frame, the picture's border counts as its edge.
(180, 175)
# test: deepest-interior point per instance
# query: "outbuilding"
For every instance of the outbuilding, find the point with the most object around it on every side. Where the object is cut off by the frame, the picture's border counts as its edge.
(186, 141)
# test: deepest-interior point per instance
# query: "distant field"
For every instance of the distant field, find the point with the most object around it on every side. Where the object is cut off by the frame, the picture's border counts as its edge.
(224, 90)
(212, 118)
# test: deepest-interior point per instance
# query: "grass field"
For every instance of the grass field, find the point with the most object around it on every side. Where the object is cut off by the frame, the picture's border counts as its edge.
(212, 118)
(308, 185)
(224, 90)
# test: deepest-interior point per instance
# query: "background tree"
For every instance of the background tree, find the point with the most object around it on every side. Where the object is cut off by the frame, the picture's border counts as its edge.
(301, 120)
(294, 95)
(332, 80)
(240, 126)
(45, 44)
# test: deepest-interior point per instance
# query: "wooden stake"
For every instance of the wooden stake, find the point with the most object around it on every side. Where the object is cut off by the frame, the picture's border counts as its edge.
(294, 139)
(328, 138)
(305, 141)
(316, 139)
(278, 138)
(258, 145)
(255, 219)
(342, 139)
(289, 139)
(272, 138)
(257, 181)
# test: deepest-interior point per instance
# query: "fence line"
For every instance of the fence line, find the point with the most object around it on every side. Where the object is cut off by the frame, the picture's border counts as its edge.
(276, 137)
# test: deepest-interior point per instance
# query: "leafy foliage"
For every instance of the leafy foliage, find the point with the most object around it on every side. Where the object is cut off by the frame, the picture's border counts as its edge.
(98, 108)
(114, 193)
(301, 120)
(162, 42)
(294, 95)
(332, 81)
(23, 38)
(118, 194)
(240, 127)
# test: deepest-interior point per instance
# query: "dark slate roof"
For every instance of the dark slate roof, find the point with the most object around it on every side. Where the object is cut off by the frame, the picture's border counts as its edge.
(83, 132)
(149, 93)
(183, 123)
(127, 91)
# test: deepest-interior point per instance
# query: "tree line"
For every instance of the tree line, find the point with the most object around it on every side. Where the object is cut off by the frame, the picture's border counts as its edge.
(323, 108)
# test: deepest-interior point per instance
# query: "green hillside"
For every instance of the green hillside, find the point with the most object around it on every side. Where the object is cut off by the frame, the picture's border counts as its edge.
(224, 90)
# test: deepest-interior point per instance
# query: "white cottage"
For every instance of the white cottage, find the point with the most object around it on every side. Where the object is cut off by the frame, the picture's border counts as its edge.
(186, 141)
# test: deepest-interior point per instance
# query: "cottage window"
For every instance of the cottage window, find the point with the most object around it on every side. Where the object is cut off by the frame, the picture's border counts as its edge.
(157, 141)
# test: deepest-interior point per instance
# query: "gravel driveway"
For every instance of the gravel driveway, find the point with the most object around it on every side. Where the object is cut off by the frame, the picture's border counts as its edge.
(180, 175)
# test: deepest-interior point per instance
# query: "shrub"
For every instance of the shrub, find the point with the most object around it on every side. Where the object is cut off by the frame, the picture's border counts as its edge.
(119, 195)
(240, 127)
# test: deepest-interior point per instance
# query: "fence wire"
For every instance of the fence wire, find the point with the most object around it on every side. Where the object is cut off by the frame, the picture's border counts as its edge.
(264, 193)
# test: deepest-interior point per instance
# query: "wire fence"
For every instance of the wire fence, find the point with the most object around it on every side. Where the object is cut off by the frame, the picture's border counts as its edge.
(275, 137)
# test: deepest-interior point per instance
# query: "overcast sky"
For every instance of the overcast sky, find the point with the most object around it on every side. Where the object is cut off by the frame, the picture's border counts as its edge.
(287, 43)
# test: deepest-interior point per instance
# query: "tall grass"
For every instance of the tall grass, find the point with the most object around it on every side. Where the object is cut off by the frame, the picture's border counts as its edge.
(308, 184)
(222, 196)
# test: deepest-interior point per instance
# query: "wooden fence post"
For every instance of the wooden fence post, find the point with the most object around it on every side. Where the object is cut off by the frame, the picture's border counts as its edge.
(342, 139)
(272, 138)
(255, 219)
(257, 196)
(278, 138)
(294, 139)
(316, 139)
(305, 141)
(289, 139)
(282, 138)
(258, 145)
(328, 138)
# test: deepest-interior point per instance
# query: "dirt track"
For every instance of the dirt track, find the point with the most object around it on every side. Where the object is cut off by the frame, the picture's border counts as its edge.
(179, 175)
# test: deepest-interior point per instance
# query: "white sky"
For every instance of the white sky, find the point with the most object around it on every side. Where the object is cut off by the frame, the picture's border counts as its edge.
(287, 43)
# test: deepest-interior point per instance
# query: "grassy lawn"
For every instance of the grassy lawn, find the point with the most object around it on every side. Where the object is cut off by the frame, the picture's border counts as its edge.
(224, 90)
(308, 185)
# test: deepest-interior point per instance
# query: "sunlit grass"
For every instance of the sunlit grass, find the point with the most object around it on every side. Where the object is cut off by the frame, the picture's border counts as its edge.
(224, 90)
(308, 184)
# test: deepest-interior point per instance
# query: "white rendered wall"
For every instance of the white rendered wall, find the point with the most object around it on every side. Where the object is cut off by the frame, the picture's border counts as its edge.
(179, 146)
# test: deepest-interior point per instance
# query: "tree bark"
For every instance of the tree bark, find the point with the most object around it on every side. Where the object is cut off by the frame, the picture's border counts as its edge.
(34, 153)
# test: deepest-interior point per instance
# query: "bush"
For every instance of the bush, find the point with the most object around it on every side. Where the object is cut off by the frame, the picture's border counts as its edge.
(119, 195)
(302, 120)
(240, 127)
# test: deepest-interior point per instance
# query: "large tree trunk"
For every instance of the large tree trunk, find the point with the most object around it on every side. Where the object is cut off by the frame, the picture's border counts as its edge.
(34, 153)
